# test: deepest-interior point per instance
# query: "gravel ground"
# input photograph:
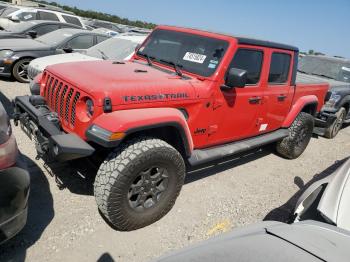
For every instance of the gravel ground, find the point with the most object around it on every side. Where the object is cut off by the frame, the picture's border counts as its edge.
(64, 224)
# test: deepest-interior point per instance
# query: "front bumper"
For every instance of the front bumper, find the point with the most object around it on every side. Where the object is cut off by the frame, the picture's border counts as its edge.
(323, 121)
(51, 141)
(5, 68)
(14, 193)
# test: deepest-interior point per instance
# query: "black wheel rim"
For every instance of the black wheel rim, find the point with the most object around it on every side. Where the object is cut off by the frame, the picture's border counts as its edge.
(338, 124)
(22, 70)
(302, 137)
(148, 188)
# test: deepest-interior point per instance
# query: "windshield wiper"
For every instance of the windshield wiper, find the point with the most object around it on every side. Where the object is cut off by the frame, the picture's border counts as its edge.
(148, 58)
(104, 56)
(176, 66)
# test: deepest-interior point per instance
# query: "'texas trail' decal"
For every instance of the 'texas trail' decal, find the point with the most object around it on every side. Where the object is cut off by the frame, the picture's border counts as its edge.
(155, 97)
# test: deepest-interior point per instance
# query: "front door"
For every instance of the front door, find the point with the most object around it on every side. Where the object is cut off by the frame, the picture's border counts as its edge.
(236, 111)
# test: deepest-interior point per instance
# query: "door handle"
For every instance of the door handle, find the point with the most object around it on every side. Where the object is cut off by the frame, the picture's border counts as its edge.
(254, 100)
(281, 97)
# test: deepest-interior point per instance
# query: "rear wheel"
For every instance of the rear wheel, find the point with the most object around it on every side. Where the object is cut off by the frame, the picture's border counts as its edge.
(334, 129)
(138, 183)
(300, 133)
(20, 70)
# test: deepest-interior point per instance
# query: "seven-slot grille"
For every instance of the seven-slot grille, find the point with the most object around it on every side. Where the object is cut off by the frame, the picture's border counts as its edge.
(62, 98)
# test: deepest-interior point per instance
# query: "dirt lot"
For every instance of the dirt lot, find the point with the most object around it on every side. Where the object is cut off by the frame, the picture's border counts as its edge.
(64, 224)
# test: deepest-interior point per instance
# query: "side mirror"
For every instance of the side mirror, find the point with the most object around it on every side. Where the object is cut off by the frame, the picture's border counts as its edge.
(68, 50)
(235, 78)
(13, 18)
(32, 34)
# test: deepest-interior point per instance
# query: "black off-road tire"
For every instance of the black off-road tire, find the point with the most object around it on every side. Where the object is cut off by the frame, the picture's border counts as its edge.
(115, 182)
(19, 67)
(334, 129)
(300, 133)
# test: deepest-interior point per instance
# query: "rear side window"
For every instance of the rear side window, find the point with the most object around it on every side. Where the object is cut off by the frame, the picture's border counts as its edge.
(44, 29)
(251, 61)
(101, 38)
(72, 20)
(279, 68)
(81, 42)
(47, 16)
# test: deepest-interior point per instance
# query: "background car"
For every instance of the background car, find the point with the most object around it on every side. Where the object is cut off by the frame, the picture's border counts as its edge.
(33, 29)
(14, 182)
(335, 71)
(320, 230)
(121, 47)
(16, 14)
(15, 56)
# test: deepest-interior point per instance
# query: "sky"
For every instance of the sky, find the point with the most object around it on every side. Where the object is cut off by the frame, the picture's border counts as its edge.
(321, 25)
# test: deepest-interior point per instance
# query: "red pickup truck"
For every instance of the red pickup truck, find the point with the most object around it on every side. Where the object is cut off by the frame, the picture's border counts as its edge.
(186, 98)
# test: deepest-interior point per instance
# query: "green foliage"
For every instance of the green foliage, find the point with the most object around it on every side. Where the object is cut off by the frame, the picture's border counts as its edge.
(100, 15)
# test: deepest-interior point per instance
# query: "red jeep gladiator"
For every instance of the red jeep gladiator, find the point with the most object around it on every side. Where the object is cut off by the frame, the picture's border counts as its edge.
(187, 97)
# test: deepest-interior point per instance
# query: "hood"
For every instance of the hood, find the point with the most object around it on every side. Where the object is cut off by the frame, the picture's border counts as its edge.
(7, 35)
(333, 194)
(126, 82)
(40, 64)
(5, 23)
(22, 45)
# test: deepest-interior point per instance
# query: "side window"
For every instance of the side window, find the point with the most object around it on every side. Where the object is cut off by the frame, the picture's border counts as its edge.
(101, 39)
(251, 61)
(279, 68)
(72, 20)
(44, 29)
(47, 16)
(27, 16)
(81, 42)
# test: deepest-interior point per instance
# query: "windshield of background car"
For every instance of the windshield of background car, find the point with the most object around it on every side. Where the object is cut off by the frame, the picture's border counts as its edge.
(55, 38)
(193, 53)
(5, 12)
(325, 67)
(113, 48)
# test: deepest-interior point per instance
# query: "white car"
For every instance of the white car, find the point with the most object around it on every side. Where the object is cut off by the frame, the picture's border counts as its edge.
(16, 14)
(121, 47)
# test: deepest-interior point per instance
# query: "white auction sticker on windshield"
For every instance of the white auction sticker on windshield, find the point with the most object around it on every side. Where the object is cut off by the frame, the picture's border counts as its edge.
(193, 57)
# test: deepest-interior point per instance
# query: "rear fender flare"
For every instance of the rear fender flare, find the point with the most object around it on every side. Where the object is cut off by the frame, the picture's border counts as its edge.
(298, 107)
(135, 120)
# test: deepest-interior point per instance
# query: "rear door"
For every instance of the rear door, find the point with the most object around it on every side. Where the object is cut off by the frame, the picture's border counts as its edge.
(278, 95)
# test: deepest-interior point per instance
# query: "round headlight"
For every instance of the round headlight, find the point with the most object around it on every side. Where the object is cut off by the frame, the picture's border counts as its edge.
(89, 107)
(6, 53)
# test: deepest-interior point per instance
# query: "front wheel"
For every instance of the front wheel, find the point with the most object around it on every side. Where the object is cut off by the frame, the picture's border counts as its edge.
(138, 183)
(20, 70)
(300, 133)
(334, 129)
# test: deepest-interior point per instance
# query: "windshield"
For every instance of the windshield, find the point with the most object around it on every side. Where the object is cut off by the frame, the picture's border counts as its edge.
(113, 48)
(5, 12)
(325, 67)
(193, 53)
(55, 38)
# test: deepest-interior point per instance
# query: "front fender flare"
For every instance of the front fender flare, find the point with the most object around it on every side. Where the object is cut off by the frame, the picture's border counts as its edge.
(298, 107)
(134, 120)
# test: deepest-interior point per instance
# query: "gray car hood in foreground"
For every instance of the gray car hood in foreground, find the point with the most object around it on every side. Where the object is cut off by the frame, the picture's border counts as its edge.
(272, 242)
(334, 204)
(40, 64)
(22, 45)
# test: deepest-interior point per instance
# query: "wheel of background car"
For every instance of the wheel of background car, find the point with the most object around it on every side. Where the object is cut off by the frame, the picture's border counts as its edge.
(300, 133)
(19, 71)
(334, 129)
(138, 183)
